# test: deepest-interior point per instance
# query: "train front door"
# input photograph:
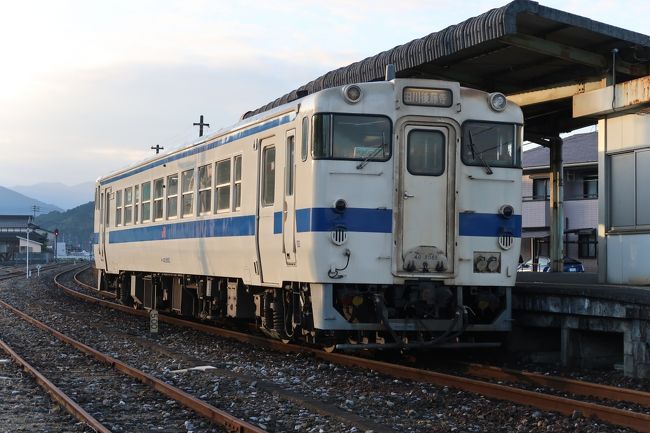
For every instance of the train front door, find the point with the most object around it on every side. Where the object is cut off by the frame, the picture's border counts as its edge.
(425, 199)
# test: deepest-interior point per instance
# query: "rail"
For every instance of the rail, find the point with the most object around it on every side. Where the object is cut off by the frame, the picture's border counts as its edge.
(566, 406)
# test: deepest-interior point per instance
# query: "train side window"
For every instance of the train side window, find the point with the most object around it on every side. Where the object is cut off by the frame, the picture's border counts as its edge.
(136, 202)
(268, 176)
(128, 205)
(425, 153)
(158, 199)
(187, 192)
(222, 187)
(290, 166)
(118, 208)
(236, 199)
(304, 145)
(146, 202)
(172, 196)
(205, 189)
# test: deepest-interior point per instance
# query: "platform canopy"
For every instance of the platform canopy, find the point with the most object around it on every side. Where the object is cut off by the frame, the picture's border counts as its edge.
(520, 47)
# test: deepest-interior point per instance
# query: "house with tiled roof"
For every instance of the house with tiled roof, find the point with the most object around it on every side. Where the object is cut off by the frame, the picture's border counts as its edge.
(580, 160)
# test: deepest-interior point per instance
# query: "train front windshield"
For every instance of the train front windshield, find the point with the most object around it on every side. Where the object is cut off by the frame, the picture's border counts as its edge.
(492, 144)
(352, 136)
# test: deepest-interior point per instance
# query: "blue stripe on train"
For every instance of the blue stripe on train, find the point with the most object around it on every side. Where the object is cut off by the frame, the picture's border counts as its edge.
(323, 219)
(488, 225)
(235, 226)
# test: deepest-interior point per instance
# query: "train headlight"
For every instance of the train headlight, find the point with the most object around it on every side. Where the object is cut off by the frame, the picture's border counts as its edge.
(352, 93)
(506, 211)
(487, 262)
(480, 264)
(340, 205)
(497, 101)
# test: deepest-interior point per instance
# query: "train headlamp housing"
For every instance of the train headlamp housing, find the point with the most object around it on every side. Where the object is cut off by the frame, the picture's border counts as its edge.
(340, 205)
(506, 211)
(497, 101)
(487, 262)
(352, 93)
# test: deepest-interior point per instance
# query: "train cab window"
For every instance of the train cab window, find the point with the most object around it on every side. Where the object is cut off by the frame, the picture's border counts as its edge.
(118, 208)
(128, 205)
(268, 176)
(222, 187)
(352, 137)
(172, 196)
(146, 202)
(158, 189)
(136, 202)
(491, 144)
(425, 152)
(304, 145)
(205, 189)
(187, 193)
(236, 192)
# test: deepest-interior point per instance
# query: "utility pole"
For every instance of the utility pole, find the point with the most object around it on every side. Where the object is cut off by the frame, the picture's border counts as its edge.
(36, 208)
(157, 148)
(201, 125)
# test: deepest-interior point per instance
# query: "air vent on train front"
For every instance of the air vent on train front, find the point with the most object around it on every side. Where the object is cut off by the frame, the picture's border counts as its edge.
(506, 240)
(339, 235)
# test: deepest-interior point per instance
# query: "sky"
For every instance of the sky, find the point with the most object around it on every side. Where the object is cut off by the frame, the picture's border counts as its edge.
(88, 86)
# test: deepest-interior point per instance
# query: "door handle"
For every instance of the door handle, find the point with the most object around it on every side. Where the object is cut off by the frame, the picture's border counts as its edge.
(407, 195)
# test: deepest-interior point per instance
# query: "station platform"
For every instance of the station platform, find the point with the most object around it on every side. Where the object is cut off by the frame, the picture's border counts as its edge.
(579, 284)
(589, 324)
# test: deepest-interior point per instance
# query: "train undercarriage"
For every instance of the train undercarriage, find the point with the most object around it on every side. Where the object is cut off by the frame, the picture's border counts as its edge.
(416, 314)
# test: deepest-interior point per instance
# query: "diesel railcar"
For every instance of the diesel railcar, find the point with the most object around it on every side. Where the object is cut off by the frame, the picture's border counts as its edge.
(379, 214)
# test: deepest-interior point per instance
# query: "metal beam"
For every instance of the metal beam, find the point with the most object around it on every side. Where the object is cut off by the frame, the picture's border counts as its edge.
(554, 93)
(571, 54)
(556, 246)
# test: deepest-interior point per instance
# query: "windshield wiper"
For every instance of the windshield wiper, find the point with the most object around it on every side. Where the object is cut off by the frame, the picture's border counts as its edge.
(373, 154)
(475, 153)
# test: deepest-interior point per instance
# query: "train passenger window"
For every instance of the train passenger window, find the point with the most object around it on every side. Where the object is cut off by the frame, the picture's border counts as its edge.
(128, 205)
(187, 192)
(352, 137)
(205, 189)
(136, 201)
(172, 196)
(222, 187)
(290, 167)
(118, 208)
(158, 199)
(236, 200)
(305, 138)
(425, 152)
(491, 144)
(146, 202)
(268, 176)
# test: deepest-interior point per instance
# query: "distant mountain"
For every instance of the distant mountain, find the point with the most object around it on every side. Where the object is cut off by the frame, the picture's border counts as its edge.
(75, 225)
(14, 203)
(63, 196)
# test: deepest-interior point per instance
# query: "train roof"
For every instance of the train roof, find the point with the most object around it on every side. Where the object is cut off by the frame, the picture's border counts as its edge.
(241, 124)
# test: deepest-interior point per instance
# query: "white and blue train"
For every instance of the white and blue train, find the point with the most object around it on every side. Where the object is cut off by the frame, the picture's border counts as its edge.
(380, 214)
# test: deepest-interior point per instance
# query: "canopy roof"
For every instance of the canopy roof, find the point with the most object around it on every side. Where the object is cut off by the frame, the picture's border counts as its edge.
(517, 48)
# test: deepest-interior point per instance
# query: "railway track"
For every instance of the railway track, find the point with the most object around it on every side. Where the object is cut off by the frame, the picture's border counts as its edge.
(99, 390)
(541, 400)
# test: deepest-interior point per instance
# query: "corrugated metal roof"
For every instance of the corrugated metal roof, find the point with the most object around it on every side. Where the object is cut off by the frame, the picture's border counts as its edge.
(519, 47)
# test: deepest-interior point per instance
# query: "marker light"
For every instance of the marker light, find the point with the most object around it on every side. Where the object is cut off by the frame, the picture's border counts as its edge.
(497, 101)
(352, 93)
